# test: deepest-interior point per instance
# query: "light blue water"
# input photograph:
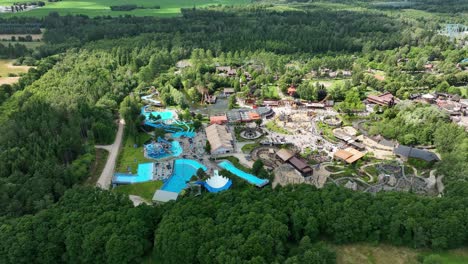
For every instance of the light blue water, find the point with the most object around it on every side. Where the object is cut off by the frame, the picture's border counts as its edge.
(165, 115)
(184, 169)
(144, 174)
(242, 174)
(184, 133)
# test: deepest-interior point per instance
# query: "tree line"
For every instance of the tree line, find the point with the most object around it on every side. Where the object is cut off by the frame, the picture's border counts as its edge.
(284, 225)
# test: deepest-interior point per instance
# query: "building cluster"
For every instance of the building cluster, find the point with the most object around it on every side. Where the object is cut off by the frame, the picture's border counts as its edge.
(242, 116)
(228, 71)
(453, 105)
(326, 72)
(351, 140)
(298, 163)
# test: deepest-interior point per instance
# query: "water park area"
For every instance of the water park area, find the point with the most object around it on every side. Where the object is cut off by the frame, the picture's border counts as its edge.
(217, 183)
(184, 169)
(252, 179)
(162, 149)
(167, 120)
(145, 173)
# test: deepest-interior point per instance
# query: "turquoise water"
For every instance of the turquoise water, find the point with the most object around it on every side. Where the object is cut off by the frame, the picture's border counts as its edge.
(184, 169)
(184, 133)
(144, 174)
(165, 115)
(242, 174)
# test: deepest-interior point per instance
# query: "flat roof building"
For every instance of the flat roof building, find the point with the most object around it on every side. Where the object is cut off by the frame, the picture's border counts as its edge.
(220, 139)
(301, 166)
(410, 152)
(161, 196)
(348, 155)
(284, 154)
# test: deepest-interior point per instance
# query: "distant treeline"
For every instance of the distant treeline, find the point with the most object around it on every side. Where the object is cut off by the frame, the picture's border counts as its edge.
(131, 7)
(19, 28)
(12, 51)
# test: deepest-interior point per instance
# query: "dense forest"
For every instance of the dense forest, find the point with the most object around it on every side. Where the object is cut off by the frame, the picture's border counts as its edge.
(283, 225)
(89, 71)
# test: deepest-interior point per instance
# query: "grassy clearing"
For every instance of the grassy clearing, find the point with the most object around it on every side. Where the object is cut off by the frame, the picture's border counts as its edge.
(382, 254)
(145, 189)
(420, 164)
(372, 170)
(327, 132)
(385, 254)
(97, 166)
(129, 156)
(247, 148)
(94, 8)
(272, 126)
(28, 44)
(270, 92)
(6, 67)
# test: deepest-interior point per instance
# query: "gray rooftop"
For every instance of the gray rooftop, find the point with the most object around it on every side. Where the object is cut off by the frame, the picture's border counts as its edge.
(164, 196)
(410, 152)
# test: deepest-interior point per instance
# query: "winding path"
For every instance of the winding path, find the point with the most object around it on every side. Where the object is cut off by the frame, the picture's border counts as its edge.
(105, 179)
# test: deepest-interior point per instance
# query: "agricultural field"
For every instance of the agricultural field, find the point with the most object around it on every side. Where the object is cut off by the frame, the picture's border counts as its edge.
(28, 44)
(6, 68)
(383, 254)
(102, 7)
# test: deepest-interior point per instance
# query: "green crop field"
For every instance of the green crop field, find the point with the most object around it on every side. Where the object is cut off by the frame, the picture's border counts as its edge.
(101, 7)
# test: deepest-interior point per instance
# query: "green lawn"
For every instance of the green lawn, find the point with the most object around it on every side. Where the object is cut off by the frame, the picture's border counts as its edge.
(101, 7)
(97, 167)
(272, 126)
(327, 132)
(270, 92)
(247, 148)
(145, 189)
(28, 44)
(130, 156)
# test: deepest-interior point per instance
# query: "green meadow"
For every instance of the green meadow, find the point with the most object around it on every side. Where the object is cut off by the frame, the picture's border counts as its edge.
(102, 7)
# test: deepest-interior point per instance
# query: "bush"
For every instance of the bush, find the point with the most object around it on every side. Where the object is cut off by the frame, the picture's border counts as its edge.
(123, 7)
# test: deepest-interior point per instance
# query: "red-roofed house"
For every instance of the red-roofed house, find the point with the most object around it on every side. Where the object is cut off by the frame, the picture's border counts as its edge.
(222, 119)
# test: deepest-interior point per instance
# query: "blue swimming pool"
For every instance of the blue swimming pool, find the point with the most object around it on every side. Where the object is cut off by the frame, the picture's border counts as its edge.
(184, 169)
(242, 174)
(144, 174)
(165, 115)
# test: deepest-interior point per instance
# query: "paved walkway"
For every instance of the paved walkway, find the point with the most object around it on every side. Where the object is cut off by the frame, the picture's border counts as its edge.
(105, 179)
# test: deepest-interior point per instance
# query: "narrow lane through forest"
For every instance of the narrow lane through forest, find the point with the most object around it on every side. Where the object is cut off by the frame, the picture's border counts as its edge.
(105, 179)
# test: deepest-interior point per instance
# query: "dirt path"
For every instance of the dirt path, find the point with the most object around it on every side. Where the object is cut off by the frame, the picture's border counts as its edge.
(105, 179)
(9, 80)
(137, 200)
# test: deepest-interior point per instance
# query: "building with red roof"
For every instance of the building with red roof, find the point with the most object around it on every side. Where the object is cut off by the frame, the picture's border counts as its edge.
(222, 119)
